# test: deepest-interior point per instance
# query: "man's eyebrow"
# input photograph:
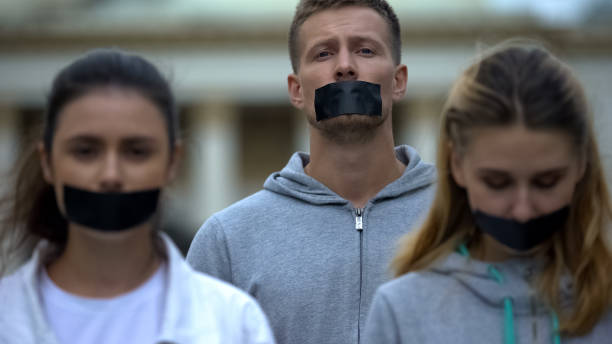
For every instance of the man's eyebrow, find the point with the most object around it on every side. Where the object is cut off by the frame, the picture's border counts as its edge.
(321, 42)
(367, 39)
(359, 38)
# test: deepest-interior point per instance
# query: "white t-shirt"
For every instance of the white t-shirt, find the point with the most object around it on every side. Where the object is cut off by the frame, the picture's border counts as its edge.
(134, 317)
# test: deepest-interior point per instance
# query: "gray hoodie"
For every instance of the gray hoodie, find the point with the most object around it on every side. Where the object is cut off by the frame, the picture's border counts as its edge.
(458, 301)
(311, 260)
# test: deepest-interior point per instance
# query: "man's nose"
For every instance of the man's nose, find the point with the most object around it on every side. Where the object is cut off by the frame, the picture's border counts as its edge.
(111, 175)
(345, 66)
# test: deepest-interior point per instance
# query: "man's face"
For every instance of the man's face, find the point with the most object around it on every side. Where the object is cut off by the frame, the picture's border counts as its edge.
(347, 43)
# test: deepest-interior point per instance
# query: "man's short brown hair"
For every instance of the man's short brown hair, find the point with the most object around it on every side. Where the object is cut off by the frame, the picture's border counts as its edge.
(307, 8)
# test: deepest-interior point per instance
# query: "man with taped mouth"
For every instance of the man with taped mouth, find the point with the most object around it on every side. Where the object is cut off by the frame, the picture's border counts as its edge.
(314, 244)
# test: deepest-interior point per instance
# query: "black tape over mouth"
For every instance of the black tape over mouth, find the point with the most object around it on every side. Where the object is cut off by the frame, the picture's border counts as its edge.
(522, 236)
(110, 211)
(348, 97)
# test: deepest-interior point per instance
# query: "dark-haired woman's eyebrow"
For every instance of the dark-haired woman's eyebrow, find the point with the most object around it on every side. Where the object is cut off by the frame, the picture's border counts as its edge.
(84, 138)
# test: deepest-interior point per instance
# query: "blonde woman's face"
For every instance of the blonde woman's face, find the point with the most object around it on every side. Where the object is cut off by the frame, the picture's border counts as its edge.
(517, 173)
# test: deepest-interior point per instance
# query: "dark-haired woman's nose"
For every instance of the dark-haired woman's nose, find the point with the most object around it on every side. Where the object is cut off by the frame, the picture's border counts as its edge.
(111, 179)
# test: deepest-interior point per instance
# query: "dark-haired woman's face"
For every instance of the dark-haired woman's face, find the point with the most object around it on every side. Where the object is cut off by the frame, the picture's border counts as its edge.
(109, 140)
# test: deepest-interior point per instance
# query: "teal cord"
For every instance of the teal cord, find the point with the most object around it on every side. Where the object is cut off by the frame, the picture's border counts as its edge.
(496, 274)
(555, 325)
(463, 250)
(509, 334)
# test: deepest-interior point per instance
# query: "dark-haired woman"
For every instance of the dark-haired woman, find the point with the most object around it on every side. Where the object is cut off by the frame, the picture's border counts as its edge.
(514, 249)
(87, 198)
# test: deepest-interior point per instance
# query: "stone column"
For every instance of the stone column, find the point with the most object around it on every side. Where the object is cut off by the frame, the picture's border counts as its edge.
(214, 157)
(9, 136)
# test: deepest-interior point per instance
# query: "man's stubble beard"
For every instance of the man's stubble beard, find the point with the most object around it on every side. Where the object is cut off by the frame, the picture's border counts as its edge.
(349, 129)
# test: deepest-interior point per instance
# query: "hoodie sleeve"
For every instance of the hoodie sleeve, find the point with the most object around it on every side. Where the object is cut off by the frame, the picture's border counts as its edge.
(381, 325)
(208, 252)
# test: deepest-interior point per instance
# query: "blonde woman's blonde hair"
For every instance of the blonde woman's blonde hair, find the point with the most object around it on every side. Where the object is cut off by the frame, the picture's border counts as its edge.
(523, 84)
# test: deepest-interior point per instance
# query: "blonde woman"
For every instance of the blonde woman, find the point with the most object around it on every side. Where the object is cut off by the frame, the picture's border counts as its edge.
(514, 247)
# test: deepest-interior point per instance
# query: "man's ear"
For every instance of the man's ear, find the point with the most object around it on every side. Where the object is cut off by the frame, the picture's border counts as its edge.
(176, 160)
(295, 91)
(399, 82)
(456, 166)
(45, 162)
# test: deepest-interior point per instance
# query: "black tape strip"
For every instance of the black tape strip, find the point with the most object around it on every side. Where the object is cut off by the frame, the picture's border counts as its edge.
(114, 211)
(348, 97)
(522, 236)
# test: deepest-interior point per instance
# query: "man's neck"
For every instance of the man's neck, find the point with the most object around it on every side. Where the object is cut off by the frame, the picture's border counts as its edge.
(357, 172)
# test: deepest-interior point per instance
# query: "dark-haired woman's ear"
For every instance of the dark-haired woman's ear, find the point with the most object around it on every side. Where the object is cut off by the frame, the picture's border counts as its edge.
(455, 166)
(176, 159)
(45, 162)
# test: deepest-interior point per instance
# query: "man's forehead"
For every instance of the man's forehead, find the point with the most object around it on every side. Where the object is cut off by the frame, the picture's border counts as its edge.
(354, 21)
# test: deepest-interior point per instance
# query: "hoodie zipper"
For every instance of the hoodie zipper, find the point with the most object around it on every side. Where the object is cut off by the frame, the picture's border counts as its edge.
(359, 228)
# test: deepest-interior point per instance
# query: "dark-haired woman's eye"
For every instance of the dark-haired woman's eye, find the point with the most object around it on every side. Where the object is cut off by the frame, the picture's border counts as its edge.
(84, 151)
(137, 152)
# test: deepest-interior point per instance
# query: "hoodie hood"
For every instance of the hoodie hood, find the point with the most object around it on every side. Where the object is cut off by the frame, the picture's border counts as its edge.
(293, 182)
(518, 281)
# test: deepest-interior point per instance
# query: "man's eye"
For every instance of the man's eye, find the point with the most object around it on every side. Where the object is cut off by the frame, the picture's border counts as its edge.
(366, 51)
(323, 54)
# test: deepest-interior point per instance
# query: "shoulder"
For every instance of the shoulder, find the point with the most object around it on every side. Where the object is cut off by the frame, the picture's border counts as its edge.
(201, 287)
(13, 285)
(229, 309)
(258, 210)
(256, 205)
(410, 290)
(218, 291)
(202, 297)
(21, 317)
(406, 283)
(400, 310)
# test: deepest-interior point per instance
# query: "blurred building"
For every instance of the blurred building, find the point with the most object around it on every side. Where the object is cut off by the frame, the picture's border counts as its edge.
(228, 64)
